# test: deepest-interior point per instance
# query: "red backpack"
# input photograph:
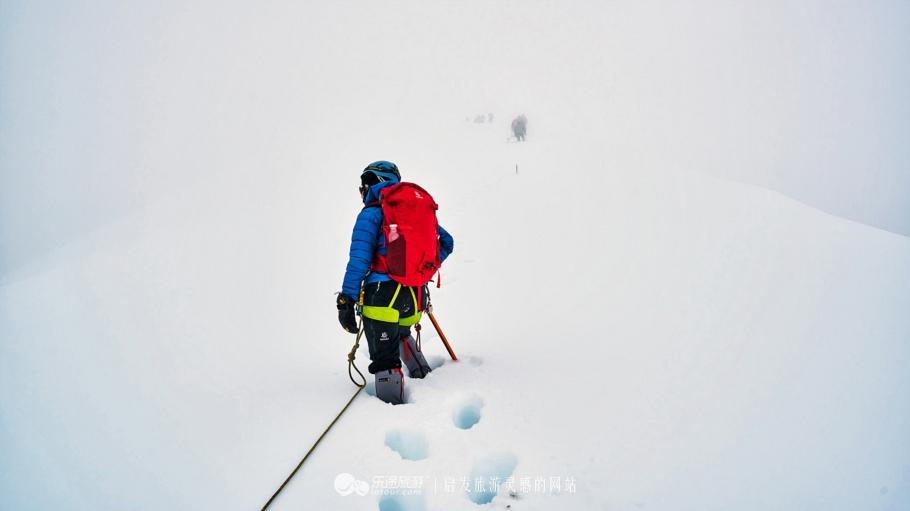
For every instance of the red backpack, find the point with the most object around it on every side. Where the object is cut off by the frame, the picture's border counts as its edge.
(411, 234)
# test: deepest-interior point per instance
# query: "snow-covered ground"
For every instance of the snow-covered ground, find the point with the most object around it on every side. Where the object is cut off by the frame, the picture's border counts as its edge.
(629, 326)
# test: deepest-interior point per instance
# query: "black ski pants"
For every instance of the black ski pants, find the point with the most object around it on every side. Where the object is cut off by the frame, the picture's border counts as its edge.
(383, 338)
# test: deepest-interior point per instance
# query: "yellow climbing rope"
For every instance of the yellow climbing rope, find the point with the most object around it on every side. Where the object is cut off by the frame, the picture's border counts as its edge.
(351, 356)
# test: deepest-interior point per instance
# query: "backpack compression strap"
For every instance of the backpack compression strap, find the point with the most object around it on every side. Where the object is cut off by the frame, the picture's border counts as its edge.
(379, 263)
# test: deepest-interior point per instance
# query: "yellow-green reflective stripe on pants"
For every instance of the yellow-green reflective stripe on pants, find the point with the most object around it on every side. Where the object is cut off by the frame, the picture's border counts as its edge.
(390, 315)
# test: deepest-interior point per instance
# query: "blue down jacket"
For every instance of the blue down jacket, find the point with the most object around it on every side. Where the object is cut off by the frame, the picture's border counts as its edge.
(367, 239)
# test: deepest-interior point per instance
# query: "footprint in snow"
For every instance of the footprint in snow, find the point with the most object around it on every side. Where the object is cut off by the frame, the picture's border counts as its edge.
(402, 503)
(468, 412)
(409, 444)
(436, 361)
(497, 466)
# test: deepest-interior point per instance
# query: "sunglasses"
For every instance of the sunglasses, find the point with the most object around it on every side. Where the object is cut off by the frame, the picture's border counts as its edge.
(364, 188)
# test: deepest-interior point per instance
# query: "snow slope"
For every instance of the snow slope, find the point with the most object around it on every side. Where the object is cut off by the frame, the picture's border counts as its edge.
(666, 339)
(663, 338)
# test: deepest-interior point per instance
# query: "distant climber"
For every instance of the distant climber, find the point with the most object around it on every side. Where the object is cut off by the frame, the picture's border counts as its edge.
(520, 127)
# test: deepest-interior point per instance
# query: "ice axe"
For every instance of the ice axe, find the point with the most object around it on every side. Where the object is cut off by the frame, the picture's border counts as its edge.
(441, 335)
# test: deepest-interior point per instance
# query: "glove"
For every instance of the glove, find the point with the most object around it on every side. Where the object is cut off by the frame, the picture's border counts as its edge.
(346, 313)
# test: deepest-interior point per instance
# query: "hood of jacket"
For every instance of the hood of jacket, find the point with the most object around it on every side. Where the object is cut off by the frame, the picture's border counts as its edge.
(373, 194)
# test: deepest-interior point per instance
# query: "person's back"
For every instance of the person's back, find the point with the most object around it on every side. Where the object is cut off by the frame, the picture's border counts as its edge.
(389, 309)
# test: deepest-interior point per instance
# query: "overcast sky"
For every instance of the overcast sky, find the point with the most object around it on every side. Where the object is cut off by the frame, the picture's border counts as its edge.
(106, 105)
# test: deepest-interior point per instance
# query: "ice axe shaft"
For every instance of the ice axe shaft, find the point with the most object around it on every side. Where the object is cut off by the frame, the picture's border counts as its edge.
(442, 335)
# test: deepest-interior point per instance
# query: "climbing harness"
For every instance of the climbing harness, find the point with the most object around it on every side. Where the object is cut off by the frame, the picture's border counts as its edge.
(360, 386)
(389, 314)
